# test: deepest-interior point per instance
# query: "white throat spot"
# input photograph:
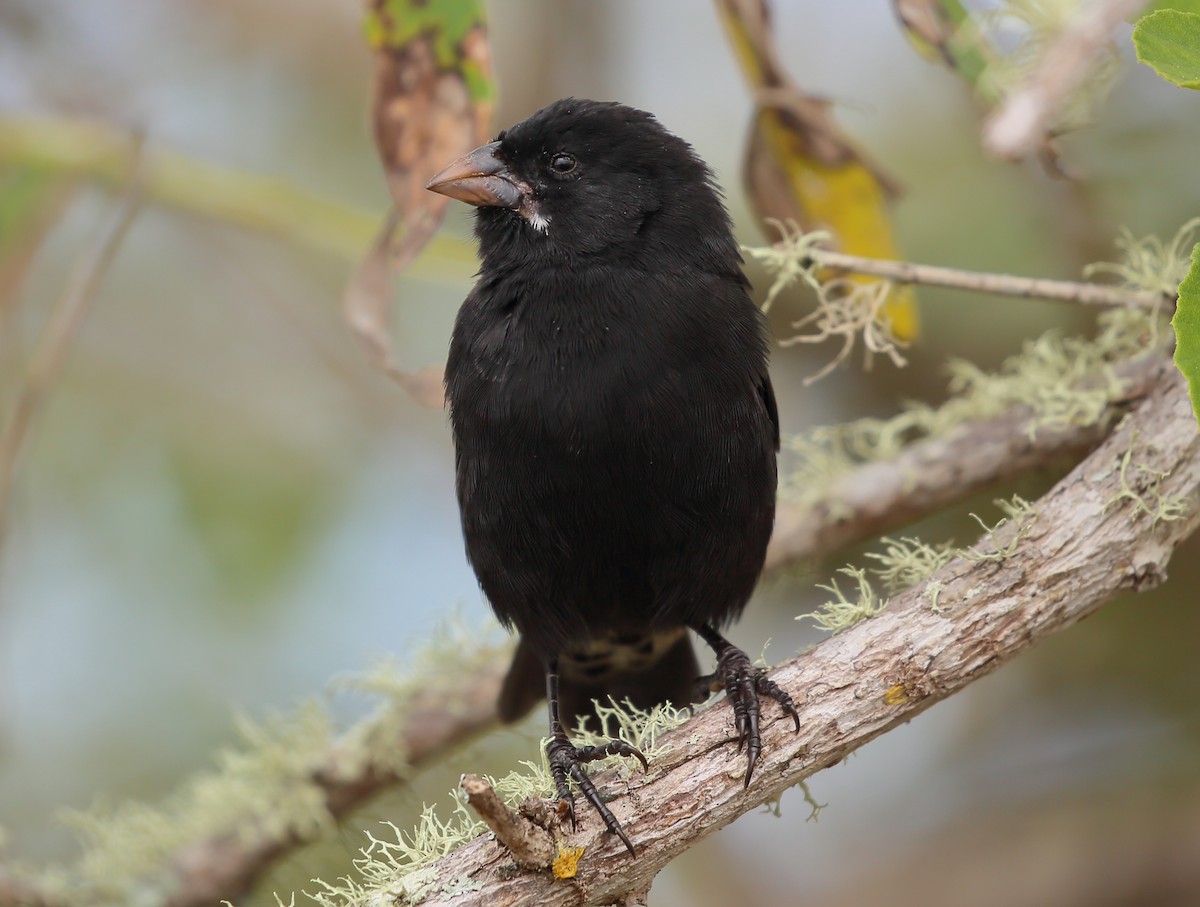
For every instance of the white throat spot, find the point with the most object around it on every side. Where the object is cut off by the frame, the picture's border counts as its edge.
(539, 222)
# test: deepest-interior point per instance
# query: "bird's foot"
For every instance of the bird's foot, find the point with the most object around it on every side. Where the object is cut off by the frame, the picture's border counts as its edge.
(567, 761)
(744, 684)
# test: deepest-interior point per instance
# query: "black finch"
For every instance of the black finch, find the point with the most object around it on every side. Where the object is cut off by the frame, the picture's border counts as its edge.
(614, 424)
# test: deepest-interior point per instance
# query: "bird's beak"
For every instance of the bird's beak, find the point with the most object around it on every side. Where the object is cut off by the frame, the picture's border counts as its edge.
(480, 178)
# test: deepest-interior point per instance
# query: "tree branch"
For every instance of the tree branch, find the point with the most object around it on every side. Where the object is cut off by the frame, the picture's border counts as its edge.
(1000, 284)
(1109, 526)
(64, 325)
(438, 719)
(1019, 128)
(866, 501)
(935, 472)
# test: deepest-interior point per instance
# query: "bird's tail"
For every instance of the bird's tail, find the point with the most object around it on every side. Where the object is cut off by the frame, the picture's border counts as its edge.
(671, 678)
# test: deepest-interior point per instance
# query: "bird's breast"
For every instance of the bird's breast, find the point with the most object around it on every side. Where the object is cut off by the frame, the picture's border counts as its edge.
(541, 365)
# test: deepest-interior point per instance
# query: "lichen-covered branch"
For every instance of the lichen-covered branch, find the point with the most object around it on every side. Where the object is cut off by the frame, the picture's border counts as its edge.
(863, 500)
(218, 834)
(1101, 530)
(1019, 128)
(436, 719)
(935, 472)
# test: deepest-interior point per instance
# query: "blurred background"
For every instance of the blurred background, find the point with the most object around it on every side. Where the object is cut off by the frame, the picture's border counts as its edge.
(223, 506)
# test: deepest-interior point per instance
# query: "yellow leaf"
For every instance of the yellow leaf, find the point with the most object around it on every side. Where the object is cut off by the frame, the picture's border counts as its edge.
(800, 167)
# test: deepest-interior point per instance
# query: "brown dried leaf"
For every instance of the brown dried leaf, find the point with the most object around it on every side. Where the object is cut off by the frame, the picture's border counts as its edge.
(433, 100)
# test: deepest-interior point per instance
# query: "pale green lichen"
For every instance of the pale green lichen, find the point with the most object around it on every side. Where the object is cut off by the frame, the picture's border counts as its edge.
(1005, 536)
(463, 884)
(1153, 266)
(933, 592)
(457, 649)
(1064, 381)
(396, 868)
(641, 728)
(846, 309)
(774, 806)
(1142, 486)
(840, 612)
(1016, 508)
(260, 790)
(903, 563)
(791, 259)
(907, 561)
(813, 806)
(1150, 264)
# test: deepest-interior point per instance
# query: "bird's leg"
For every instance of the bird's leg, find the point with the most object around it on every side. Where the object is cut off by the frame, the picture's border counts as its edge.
(567, 761)
(743, 684)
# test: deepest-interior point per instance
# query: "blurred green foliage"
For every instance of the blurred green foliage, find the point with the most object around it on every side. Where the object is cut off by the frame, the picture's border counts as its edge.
(256, 513)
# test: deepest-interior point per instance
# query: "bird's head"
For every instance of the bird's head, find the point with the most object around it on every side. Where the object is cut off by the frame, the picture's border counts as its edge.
(581, 177)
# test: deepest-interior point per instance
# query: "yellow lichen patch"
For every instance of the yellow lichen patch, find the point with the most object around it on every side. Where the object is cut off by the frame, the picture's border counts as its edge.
(896, 695)
(566, 864)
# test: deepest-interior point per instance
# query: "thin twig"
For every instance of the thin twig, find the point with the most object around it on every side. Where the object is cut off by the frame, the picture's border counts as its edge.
(1000, 284)
(529, 844)
(20, 255)
(63, 327)
(1019, 128)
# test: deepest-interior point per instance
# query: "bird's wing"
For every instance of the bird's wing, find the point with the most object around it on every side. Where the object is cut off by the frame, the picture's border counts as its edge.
(767, 393)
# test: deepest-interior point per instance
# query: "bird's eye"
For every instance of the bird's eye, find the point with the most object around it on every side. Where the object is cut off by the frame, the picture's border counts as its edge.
(562, 163)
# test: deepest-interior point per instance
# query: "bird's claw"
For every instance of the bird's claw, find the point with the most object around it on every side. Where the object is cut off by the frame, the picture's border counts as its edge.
(567, 761)
(744, 686)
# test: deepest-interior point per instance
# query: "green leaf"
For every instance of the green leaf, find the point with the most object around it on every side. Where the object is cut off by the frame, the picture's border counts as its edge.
(1187, 6)
(1168, 41)
(1186, 324)
(448, 27)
